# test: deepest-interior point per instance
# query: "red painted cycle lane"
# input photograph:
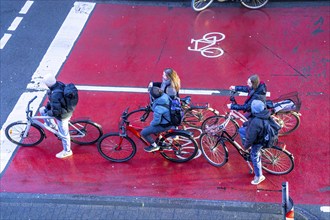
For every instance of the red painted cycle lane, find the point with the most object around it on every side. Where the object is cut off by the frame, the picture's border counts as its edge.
(130, 45)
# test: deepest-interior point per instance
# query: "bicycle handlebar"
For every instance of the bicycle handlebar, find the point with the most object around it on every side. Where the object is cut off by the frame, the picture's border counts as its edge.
(232, 97)
(28, 111)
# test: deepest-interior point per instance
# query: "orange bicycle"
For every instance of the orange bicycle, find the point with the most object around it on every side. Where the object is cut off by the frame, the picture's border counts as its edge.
(175, 145)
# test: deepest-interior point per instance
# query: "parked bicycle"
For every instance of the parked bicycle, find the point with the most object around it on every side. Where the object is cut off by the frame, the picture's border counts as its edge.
(275, 160)
(175, 145)
(32, 131)
(285, 110)
(199, 5)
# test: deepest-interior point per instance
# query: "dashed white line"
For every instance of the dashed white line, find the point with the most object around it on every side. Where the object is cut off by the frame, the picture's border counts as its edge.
(4, 40)
(15, 23)
(26, 7)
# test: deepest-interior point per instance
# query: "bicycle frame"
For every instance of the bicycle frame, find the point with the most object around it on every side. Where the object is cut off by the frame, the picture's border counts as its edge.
(36, 120)
(125, 126)
(244, 153)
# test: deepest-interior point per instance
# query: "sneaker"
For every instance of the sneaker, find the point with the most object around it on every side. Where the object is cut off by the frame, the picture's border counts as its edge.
(64, 154)
(258, 180)
(151, 148)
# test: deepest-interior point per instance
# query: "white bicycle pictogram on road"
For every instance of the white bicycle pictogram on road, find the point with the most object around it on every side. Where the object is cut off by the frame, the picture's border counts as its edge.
(210, 39)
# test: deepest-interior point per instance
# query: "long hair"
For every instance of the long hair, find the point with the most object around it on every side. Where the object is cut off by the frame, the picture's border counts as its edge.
(174, 77)
(255, 81)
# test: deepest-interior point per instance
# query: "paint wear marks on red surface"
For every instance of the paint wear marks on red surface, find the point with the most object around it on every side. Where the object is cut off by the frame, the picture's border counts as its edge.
(129, 46)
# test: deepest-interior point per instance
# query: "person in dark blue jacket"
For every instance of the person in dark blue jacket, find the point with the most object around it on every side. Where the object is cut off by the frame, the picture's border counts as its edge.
(255, 137)
(161, 117)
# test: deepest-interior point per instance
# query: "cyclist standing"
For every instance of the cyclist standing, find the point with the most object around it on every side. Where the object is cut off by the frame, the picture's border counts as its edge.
(161, 117)
(255, 137)
(56, 107)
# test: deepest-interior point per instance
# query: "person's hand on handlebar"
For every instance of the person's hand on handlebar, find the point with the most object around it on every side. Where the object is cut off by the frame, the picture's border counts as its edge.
(229, 106)
(232, 88)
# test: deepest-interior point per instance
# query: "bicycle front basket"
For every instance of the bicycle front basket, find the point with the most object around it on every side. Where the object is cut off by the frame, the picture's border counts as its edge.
(293, 97)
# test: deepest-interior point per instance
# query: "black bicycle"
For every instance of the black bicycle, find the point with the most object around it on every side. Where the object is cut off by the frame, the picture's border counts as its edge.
(275, 160)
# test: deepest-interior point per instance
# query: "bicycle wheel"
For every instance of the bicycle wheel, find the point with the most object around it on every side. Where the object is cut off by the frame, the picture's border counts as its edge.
(84, 132)
(116, 148)
(200, 5)
(253, 4)
(211, 125)
(178, 147)
(289, 120)
(195, 117)
(140, 118)
(276, 160)
(213, 149)
(15, 131)
(212, 52)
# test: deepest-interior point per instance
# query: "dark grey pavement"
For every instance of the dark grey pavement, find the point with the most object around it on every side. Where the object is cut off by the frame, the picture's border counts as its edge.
(54, 206)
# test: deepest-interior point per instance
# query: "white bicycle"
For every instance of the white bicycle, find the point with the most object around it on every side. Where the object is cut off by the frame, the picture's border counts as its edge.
(284, 110)
(31, 131)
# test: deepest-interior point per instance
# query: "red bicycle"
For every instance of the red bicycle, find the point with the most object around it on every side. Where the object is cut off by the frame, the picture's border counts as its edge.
(175, 145)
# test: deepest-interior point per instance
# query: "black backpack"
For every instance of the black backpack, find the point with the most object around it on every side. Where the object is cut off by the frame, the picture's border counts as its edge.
(270, 136)
(176, 112)
(70, 95)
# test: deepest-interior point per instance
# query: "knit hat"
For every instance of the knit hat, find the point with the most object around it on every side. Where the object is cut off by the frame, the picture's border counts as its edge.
(156, 92)
(257, 106)
(49, 80)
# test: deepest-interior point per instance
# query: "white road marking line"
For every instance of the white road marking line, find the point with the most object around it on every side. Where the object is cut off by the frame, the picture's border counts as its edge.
(144, 90)
(15, 23)
(26, 7)
(325, 208)
(51, 63)
(4, 40)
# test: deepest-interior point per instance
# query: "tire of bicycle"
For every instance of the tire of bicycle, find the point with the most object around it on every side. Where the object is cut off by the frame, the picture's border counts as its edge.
(291, 122)
(213, 149)
(195, 117)
(200, 5)
(92, 131)
(276, 160)
(15, 130)
(176, 154)
(254, 4)
(109, 149)
(231, 128)
(134, 118)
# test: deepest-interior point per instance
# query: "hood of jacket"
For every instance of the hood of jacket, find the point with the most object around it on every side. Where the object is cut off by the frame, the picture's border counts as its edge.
(264, 114)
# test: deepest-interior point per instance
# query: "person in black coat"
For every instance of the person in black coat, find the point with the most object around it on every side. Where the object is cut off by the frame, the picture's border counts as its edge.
(56, 108)
(255, 137)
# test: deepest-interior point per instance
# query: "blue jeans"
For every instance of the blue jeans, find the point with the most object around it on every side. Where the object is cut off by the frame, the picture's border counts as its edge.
(63, 128)
(148, 131)
(256, 159)
(242, 134)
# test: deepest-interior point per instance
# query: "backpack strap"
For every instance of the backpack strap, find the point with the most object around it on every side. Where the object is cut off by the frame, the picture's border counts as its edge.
(169, 122)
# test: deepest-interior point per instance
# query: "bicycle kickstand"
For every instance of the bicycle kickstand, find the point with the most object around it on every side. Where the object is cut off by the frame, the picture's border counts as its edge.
(250, 167)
